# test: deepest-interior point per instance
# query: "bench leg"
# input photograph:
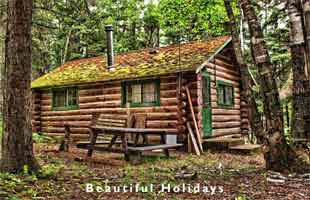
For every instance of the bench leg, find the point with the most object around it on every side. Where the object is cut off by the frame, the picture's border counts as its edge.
(135, 157)
(93, 139)
(163, 141)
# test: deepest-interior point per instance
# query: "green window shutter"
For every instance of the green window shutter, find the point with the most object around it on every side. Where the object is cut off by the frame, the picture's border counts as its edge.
(206, 91)
(207, 121)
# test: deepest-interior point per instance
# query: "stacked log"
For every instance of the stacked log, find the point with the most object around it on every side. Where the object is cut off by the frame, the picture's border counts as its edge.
(171, 115)
(105, 98)
(225, 121)
(191, 80)
(36, 111)
(245, 124)
(52, 122)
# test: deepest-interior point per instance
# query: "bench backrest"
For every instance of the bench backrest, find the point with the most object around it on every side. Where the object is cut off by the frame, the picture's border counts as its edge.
(139, 121)
(108, 120)
(132, 121)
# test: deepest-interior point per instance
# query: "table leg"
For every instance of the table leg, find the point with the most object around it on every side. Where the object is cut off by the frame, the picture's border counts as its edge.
(136, 139)
(163, 141)
(112, 141)
(145, 140)
(125, 147)
(93, 138)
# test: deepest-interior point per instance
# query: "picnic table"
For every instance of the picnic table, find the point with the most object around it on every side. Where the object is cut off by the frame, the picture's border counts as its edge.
(128, 149)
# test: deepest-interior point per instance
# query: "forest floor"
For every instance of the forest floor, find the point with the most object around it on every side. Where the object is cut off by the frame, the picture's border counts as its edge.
(221, 175)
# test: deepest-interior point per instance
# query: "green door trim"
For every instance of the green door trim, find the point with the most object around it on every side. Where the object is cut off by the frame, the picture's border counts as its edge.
(206, 107)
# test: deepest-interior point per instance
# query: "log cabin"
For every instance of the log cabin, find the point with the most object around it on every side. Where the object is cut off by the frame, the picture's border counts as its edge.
(150, 81)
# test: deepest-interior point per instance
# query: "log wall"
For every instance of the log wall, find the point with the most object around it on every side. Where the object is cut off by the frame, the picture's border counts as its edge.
(171, 115)
(105, 98)
(225, 121)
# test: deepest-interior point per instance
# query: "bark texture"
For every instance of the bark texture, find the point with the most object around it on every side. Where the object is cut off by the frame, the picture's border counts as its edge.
(306, 14)
(2, 36)
(298, 51)
(17, 145)
(276, 153)
(247, 83)
(299, 21)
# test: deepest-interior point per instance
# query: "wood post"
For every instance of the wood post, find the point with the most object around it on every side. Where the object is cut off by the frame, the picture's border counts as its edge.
(194, 118)
(192, 137)
(65, 144)
(93, 138)
(94, 119)
(93, 134)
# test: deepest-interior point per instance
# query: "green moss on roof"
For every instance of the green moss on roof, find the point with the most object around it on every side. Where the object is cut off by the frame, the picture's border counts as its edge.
(136, 64)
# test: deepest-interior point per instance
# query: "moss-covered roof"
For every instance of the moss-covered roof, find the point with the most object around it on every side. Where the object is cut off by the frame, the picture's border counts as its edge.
(141, 63)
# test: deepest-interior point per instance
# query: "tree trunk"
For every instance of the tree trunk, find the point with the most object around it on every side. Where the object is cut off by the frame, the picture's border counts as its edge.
(298, 52)
(276, 153)
(2, 38)
(247, 83)
(65, 55)
(17, 145)
(306, 14)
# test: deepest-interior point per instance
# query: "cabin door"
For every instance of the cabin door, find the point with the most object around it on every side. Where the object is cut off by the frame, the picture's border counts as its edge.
(206, 109)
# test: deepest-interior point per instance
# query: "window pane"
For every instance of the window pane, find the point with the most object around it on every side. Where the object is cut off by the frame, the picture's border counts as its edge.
(228, 95)
(136, 93)
(206, 91)
(220, 95)
(72, 97)
(59, 98)
(149, 93)
(128, 94)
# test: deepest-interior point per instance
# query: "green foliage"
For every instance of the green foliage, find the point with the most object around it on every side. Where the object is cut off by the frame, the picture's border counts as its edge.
(242, 197)
(66, 30)
(25, 169)
(16, 186)
(192, 20)
(9, 182)
(49, 171)
(1, 126)
(40, 138)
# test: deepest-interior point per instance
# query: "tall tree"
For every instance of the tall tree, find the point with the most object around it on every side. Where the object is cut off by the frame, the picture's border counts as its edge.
(247, 82)
(2, 38)
(17, 145)
(299, 59)
(306, 15)
(276, 153)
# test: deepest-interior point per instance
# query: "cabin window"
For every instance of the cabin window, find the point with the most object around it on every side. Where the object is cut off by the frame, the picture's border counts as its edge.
(65, 99)
(140, 93)
(225, 94)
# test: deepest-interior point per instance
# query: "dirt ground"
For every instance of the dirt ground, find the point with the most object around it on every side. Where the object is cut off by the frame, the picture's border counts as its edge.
(214, 175)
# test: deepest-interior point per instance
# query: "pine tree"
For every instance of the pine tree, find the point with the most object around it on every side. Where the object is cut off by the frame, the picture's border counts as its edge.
(17, 144)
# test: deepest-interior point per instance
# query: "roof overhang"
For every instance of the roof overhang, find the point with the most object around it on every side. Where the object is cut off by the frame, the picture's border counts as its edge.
(213, 55)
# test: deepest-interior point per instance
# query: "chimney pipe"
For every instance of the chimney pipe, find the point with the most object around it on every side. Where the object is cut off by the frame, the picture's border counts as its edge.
(110, 56)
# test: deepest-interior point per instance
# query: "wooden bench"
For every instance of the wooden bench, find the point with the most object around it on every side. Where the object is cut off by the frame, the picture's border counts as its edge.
(120, 129)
